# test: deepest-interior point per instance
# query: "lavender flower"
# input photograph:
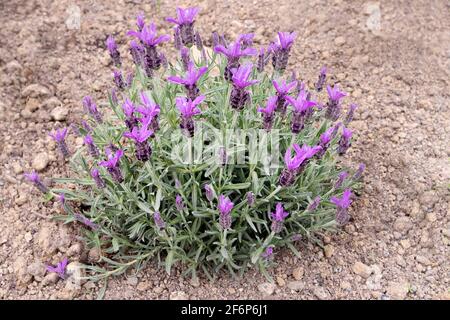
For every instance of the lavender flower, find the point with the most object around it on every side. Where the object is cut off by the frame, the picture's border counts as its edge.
(62, 199)
(179, 204)
(150, 110)
(325, 139)
(91, 108)
(188, 109)
(322, 77)
(239, 96)
(225, 206)
(118, 79)
(185, 58)
(177, 38)
(130, 119)
(341, 178)
(283, 89)
(281, 49)
(112, 165)
(95, 174)
(278, 218)
(113, 51)
(267, 253)
(263, 59)
(140, 137)
(177, 184)
(269, 112)
(149, 38)
(190, 80)
(334, 106)
(301, 106)
(223, 157)
(350, 113)
(342, 216)
(93, 150)
(113, 96)
(199, 45)
(344, 142)
(185, 22)
(137, 53)
(296, 237)
(359, 172)
(59, 136)
(305, 153)
(86, 126)
(250, 198)
(287, 177)
(314, 204)
(159, 222)
(86, 221)
(140, 21)
(209, 192)
(233, 54)
(60, 268)
(36, 180)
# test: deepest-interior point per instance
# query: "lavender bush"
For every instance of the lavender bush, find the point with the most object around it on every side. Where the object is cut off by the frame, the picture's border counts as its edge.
(140, 198)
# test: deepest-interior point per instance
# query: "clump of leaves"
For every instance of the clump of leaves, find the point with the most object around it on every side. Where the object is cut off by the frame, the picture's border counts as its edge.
(208, 161)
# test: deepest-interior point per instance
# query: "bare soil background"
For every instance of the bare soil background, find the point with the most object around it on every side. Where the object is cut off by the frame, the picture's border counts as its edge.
(398, 72)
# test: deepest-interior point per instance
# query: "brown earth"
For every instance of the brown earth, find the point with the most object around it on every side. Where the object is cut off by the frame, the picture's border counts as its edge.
(397, 245)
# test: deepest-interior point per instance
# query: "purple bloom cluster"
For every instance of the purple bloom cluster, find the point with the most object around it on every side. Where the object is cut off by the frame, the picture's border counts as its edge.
(334, 105)
(322, 78)
(112, 164)
(113, 51)
(91, 108)
(185, 25)
(283, 88)
(60, 268)
(36, 180)
(92, 148)
(301, 107)
(269, 112)
(278, 218)
(190, 80)
(345, 141)
(188, 108)
(295, 165)
(95, 174)
(239, 95)
(59, 136)
(225, 206)
(342, 204)
(281, 48)
(159, 222)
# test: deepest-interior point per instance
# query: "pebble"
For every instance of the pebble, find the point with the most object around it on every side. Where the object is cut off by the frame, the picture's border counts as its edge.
(398, 290)
(280, 281)
(59, 114)
(94, 255)
(339, 41)
(133, 281)
(178, 295)
(35, 90)
(75, 250)
(362, 269)
(17, 168)
(328, 250)
(28, 237)
(50, 278)
(40, 162)
(320, 293)
(296, 285)
(403, 224)
(36, 269)
(298, 273)
(431, 217)
(32, 105)
(266, 288)
(143, 286)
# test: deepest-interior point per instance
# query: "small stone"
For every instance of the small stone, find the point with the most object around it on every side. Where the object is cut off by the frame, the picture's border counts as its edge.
(13, 66)
(20, 200)
(295, 285)
(178, 295)
(59, 114)
(281, 282)
(50, 278)
(362, 269)
(36, 269)
(266, 288)
(21, 272)
(405, 243)
(143, 286)
(17, 168)
(75, 250)
(28, 237)
(52, 103)
(320, 293)
(40, 162)
(35, 90)
(298, 273)
(328, 250)
(398, 290)
(403, 224)
(431, 217)
(75, 273)
(133, 281)
(32, 105)
(339, 41)
(94, 255)
(158, 290)
(231, 290)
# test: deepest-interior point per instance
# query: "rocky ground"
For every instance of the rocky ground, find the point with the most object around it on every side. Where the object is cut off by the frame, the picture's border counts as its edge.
(393, 57)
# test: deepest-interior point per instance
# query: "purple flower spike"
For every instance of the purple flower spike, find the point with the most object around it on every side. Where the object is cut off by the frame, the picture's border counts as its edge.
(345, 141)
(140, 136)
(250, 198)
(185, 23)
(137, 53)
(150, 110)
(209, 192)
(322, 77)
(92, 148)
(190, 80)
(60, 268)
(36, 180)
(246, 40)
(283, 88)
(159, 222)
(281, 49)
(129, 109)
(334, 106)
(112, 165)
(113, 51)
(239, 96)
(350, 114)
(267, 253)
(301, 107)
(305, 153)
(185, 57)
(325, 139)
(179, 204)
(118, 79)
(341, 178)
(233, 54)
(342, 204)
(359, 172)
(278, 218)
(263, 59)
(269, 112)
(91, 108)
(62, 199)
(225, 206)
(86, 221)
(86, 126)
(59, 136)
(95, 174)
(287, 177)
(314, 204)
(188, 109)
